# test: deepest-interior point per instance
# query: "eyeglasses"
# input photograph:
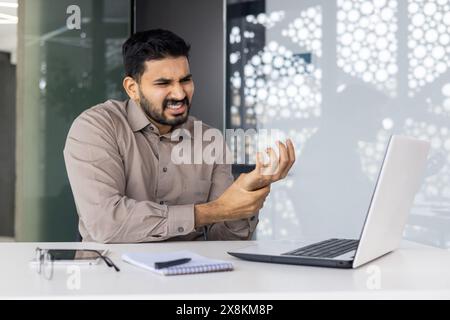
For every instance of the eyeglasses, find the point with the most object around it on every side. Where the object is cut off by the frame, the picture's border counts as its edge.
(45, 259)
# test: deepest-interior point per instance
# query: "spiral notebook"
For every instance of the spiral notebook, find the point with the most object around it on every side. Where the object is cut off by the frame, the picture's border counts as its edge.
(197, 264)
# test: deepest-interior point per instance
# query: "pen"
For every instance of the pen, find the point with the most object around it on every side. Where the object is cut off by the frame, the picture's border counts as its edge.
(166, 264)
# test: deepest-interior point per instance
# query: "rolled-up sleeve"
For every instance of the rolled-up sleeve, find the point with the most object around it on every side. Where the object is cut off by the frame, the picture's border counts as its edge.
(97, 177)
(229, 230)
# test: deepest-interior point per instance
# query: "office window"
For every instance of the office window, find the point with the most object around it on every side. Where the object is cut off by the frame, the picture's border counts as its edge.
(69, 59)
(339, 77)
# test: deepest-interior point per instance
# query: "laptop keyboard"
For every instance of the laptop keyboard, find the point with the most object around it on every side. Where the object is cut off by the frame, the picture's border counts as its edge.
(326, 249)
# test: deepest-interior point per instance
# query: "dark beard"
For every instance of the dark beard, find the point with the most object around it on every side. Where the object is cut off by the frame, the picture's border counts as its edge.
(158, 116)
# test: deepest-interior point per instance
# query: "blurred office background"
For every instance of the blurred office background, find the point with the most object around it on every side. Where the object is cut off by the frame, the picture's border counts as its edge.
(338, 77)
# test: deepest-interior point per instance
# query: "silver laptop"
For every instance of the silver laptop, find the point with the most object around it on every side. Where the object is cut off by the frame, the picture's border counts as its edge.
(398, 181)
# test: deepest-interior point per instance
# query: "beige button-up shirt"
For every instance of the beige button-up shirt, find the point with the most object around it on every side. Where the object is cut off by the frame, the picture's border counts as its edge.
(127, 188)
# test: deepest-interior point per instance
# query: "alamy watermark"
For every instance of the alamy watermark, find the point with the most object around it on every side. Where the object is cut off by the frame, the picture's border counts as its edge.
(374, 279)
(73, 281)
(210, 146)
(73, 21)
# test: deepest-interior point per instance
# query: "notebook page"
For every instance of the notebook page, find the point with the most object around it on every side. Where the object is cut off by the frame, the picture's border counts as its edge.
(198, 263)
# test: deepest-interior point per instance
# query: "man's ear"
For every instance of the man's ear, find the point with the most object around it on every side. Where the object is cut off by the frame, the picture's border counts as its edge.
(131, 87)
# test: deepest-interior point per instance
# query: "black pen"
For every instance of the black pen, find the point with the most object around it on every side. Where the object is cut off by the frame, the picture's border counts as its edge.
(171, 263)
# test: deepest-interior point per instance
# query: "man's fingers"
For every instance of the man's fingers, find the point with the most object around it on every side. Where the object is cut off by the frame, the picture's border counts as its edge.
(284, 161)
(291, 150)
(273, 164)
(260, 165)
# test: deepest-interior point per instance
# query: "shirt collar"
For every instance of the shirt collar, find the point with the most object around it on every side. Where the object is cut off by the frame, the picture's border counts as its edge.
(138, 120)
(136, 116)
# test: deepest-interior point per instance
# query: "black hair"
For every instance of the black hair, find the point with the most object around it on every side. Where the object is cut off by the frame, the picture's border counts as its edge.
(147, 45)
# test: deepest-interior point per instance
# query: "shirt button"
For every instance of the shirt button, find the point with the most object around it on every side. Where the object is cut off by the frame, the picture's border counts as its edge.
(252, 218)
(151, 128)
(180, 229)
(181, 138)
(161, 202)
(160, 138)
(165, 169)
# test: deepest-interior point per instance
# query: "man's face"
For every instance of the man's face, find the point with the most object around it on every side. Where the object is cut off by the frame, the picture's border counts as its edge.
(166, 89)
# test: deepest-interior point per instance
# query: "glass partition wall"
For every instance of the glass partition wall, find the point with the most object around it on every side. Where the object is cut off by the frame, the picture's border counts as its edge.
(69, 59)
(339, 77)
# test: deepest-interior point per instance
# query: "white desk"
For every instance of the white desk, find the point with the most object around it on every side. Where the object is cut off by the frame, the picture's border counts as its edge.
(415, 271)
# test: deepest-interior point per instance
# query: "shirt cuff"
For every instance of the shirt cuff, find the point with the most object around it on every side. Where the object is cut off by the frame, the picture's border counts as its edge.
(253, 222)
(180, 220)
(247, 224)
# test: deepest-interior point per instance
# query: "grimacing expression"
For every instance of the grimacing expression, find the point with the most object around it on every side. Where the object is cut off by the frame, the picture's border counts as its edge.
(166, 89)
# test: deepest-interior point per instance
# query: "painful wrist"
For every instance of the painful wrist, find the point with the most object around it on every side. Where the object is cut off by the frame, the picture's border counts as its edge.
(208, 213)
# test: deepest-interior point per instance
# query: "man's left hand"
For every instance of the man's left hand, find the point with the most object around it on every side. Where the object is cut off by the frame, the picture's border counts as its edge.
(275, 169)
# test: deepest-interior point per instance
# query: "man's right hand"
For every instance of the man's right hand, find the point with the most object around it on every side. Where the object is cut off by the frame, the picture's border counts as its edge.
(240, 203)
(234, 204)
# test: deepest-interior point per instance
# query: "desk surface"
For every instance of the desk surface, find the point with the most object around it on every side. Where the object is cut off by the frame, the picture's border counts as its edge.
(414, 271)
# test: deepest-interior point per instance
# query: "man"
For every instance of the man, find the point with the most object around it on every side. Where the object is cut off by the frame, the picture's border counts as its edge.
(118, 159)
